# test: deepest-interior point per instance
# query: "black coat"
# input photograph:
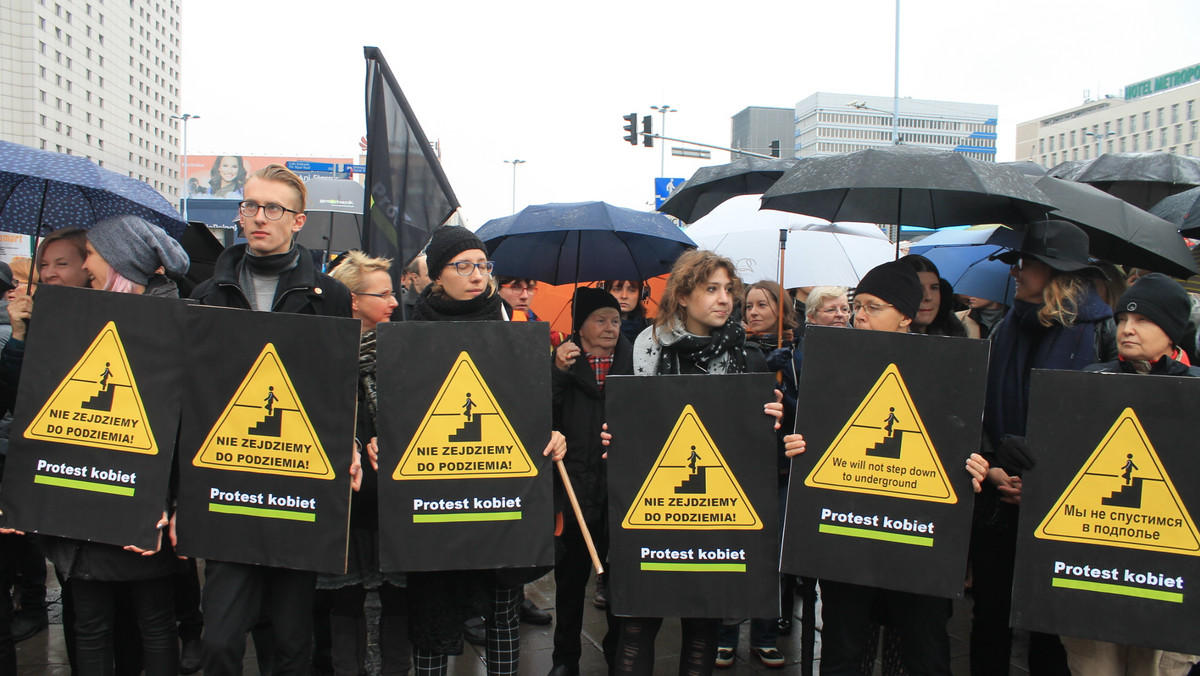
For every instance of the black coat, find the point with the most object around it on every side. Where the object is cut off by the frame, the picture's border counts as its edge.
(578, 414)
(302, 290)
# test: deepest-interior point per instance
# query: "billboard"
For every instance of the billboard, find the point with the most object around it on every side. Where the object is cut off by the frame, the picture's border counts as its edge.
(222, 176)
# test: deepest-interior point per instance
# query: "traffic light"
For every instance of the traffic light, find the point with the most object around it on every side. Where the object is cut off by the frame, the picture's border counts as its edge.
(647, 130)
(631, 128)
(774, 148)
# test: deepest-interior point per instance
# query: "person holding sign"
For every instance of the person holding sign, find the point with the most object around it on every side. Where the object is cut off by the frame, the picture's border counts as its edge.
(124, 255)
(464, 290)
(373, 302)
(695, 332)
(270, 273)
(1152, 316)
(888, 299)
(1058, 321)
(596, 350)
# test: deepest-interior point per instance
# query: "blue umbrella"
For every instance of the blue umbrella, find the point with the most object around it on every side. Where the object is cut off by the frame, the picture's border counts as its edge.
(42, 191)
(962, 258)
(583, 242)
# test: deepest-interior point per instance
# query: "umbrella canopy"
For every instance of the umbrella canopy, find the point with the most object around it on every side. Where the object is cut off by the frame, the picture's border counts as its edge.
(335, 209)
(710, 186)
(1026, 167)
(1118, 231)
(583, 242)
(42, 191)
(906, 185)
(749, 237)
(1182, 209)
(1142, 179)
(963, 259)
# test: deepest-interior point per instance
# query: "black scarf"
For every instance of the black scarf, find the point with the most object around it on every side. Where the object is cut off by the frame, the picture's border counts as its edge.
(730, 338)
(273, 265)
(433, 307)
(366, 374)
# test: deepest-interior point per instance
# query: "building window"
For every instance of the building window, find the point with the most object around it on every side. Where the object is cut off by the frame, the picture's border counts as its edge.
(1135, 143)
(1191, 109)
(1194, 130)
(1174, 113)
(1122, 144)
(1120, 126)
(1051, 144)
(1146, 120)
(1162, 137)
(1179, 133)
(1159, 117)
(1132, 123)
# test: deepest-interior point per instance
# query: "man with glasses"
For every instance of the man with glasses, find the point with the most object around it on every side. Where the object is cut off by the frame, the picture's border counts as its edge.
(270, 273)
(518, 293)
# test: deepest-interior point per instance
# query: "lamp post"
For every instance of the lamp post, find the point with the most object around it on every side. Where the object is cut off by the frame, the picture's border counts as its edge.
(186, 192)
(514, 192)
(1098, 138)
(662, 165)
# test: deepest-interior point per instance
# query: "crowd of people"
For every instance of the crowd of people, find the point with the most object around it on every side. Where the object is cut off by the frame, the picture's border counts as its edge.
(128, 610)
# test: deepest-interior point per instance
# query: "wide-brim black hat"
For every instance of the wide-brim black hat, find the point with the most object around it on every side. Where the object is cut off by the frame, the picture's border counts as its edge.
(1059, 244)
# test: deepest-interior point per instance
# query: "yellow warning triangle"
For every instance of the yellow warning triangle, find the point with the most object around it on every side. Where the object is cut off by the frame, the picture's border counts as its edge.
(884, 449)
(1123, 497)
(265, 429)
(98, 404)
(690, 486)
(465, 434)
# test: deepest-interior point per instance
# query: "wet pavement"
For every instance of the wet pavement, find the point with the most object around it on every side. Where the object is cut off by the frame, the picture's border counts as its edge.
(45, 653)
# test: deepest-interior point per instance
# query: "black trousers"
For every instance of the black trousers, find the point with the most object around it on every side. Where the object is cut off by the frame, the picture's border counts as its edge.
(572, 568)
(237, 596)
(153, 604)
(921, 621)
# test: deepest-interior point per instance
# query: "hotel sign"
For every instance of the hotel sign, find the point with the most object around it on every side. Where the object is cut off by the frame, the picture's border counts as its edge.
(1161, 83)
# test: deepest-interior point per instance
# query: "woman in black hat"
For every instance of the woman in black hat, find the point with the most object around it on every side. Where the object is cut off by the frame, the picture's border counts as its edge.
(1057, 321)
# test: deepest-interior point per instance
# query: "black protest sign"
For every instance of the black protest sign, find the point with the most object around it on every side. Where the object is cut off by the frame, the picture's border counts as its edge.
(267, 438)
(692, 496)
(93, 434)
(464, 415)
(1108, 546)
(880, 497)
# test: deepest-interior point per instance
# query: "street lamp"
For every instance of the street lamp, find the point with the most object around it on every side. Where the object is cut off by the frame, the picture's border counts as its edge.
(662, 165)
(514, 193)
(862, 105)
(1098, 137)
(185, 117)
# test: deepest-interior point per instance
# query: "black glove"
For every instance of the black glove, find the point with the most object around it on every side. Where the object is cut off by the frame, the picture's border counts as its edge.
(1014, 454)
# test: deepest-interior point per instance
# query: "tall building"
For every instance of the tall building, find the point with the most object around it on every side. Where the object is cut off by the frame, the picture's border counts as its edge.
(1155, 114)
(754, 129)
(828, 124)
(98, 78)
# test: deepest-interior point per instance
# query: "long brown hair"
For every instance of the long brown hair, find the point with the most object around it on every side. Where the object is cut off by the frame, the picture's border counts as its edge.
(692, 270)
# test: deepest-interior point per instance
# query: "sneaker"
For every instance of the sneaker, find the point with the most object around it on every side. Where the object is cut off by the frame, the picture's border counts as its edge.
(724, 658)
(770, 657)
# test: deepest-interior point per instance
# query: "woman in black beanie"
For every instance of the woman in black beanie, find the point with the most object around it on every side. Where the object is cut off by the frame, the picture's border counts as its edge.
(464, 290)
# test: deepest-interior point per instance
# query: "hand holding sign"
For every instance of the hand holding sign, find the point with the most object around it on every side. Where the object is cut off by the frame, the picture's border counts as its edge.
(19, 310)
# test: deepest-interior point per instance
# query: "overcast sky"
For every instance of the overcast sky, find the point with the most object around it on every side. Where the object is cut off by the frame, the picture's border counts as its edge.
(548, 81)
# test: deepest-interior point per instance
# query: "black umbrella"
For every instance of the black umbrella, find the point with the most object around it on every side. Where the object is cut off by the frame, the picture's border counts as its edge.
(907, 185)
(1118, 231)
(1142, 179)
(1182, 209)
(710, 186)
(1026, 167)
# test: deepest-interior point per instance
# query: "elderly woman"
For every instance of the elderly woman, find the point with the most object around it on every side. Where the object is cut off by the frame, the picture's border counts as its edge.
(827, 306)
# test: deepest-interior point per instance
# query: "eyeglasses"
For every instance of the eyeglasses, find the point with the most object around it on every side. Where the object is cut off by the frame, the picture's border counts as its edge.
(871, 309)
(274, 212)
(831, 311)
(386, 295)
(465, 268)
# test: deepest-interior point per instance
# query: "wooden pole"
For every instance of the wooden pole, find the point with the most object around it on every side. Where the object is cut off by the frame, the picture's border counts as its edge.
(587, 535)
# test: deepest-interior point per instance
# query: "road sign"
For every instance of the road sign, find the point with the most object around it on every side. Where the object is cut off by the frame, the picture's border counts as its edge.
(663, 187)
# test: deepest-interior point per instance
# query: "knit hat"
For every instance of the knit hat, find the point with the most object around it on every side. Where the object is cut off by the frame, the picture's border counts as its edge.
(896, 283)
(136, 249)
(447, 242)
(588, 300)
(6, 278)
(1162, 300)
(1059, 244)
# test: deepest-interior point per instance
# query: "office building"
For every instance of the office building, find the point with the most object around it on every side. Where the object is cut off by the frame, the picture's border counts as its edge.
(755, 129)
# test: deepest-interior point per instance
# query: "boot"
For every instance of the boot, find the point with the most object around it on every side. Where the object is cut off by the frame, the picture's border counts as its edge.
(349, 639)
(395, 649)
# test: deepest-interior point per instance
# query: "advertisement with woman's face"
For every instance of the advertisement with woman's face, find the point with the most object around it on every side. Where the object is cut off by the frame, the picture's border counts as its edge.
(224, 176)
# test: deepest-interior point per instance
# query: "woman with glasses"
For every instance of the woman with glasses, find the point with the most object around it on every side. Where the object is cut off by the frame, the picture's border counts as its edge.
(1058, 321)
(695, 332)
(887, 299)
(372, 302)
(463, 289)
(827, 306)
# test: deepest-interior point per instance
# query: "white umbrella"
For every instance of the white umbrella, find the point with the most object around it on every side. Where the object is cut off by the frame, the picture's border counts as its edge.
(740, 231)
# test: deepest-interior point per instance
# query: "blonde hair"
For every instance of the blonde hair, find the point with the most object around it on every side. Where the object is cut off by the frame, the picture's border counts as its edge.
(1062, 296)
(818, 296)
(278, 172)
(774, 291)
(355, 266)
(692, 270)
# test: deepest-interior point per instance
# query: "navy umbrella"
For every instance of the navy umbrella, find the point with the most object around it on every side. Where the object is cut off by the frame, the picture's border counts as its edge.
(42, 191)
(583, 242)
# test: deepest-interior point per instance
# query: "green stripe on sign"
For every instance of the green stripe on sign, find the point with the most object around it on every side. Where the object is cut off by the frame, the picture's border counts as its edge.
(259, 511)
(698, 567)
(466, 516)
(876, 535)
(1119, 589)
(82, 485)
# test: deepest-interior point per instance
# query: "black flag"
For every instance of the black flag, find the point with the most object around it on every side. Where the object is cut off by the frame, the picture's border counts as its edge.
(409, 194)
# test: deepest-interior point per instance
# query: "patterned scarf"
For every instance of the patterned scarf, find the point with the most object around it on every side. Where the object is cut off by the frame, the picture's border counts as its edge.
(661, 350)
